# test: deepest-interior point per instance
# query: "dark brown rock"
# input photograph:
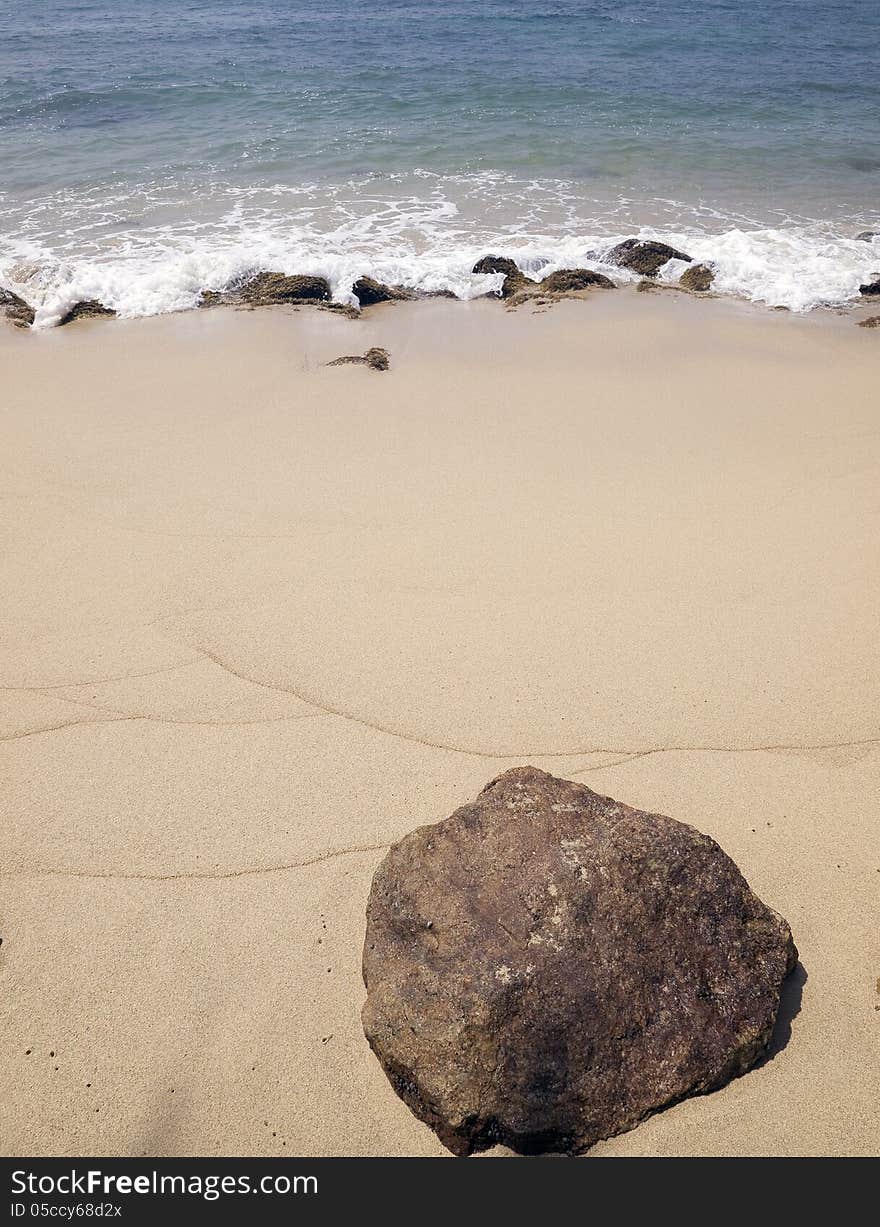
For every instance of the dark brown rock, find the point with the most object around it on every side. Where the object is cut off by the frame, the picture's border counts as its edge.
(871, 289)
(573, 280)
(368, 291)
(16, 310)
(497, 264)
(517, 284)
(565, 283)
(267, 289)
(873, 321)
(698, 278)
(645, 257)
(515, 281)
(548, 966)
(376, 359)
(86, 309)
(270, 289)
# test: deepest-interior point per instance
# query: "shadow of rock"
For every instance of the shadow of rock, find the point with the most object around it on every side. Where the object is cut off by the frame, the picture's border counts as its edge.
(789, 1008)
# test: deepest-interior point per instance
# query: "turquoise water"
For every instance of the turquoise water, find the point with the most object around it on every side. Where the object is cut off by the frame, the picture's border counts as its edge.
(150, 148)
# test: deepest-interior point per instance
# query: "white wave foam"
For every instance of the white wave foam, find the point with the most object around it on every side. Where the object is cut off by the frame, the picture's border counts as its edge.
(424, 241)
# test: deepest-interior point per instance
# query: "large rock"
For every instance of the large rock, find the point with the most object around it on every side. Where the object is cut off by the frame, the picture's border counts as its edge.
(368, 291)
(871, 289)
(267, 289)
(270, 289)
(698, 278)
(515, 281)
(645, 257)
(86, 309)
(573, 280)
(547, 966)
(564, 283)
(16, 310)
(497, 264)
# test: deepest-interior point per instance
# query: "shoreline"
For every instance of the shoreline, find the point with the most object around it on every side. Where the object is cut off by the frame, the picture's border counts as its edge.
(90, 314)
(29, 298)
(262, 617)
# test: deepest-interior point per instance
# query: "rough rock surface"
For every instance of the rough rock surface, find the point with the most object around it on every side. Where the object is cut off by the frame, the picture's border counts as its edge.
(873, 321)
(369, 291)
(547, 966)
(698, 278)
(376, 359)
(644, 257)
(572, 280)
(564, 283)
(872, 288)
(16, 310)
(269, 289)
(86, 309)
(515, 281)
(497, 264)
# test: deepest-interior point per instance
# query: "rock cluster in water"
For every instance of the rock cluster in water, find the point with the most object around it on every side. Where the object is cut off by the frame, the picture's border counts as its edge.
(564, 283)
(644, 257)
(548, 966)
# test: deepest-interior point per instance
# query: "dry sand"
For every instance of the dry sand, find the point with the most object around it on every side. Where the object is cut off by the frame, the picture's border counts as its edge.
(260, 618)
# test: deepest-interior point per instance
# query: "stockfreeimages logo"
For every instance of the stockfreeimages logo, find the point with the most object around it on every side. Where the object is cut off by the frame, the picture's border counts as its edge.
(96, 1183)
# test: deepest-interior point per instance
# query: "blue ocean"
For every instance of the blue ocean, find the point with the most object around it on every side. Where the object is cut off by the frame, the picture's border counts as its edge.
(150, 149)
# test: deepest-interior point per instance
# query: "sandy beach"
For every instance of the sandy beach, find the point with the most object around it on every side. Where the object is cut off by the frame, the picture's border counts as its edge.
(261, 617)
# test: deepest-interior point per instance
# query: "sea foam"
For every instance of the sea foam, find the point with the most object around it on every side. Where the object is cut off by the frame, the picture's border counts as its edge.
(427, 242)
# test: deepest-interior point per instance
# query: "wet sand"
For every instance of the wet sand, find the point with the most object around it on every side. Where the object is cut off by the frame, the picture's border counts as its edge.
(261, 617)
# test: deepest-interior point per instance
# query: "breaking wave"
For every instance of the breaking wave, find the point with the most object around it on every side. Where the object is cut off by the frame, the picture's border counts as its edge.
(155, 250)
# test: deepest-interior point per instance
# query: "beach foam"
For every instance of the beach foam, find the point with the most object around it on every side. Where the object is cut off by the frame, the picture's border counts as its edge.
(150, 253)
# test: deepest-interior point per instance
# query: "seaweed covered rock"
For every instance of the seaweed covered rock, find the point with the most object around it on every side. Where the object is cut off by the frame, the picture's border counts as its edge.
(270, 289)
(564, 283)
(515, 281)
(497, 264)
(368, 291)
(86, 309)
(698, 278)
(376, 359)
(16, 310)
(645, 257)
(573, 280)
(548, 966)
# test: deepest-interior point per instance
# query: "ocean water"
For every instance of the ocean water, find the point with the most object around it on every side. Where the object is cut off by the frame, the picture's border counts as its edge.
(150, 149)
